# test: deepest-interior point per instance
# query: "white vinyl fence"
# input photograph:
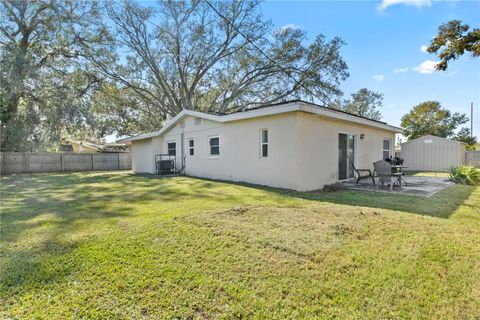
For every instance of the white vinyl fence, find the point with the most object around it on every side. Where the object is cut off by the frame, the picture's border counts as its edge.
(33, 162)
(472, 158)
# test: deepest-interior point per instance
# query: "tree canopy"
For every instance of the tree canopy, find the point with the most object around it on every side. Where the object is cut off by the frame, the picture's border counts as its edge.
(453, 40)
(430, 118)
(364, 103)
(44, 77)
(97, 68)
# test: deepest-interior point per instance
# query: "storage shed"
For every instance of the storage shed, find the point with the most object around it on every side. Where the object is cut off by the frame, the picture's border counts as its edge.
(431, 153)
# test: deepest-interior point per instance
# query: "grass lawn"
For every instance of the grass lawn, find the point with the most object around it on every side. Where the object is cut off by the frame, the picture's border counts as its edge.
(117, 245)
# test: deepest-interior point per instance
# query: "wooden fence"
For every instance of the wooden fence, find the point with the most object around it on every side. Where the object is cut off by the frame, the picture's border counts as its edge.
(472, 158)
(33, 162)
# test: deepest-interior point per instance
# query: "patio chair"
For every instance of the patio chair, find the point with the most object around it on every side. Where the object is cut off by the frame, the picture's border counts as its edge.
(383, 170)
(363, 174)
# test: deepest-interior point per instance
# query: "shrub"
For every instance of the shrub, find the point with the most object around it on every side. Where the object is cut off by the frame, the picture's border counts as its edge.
(465, 175)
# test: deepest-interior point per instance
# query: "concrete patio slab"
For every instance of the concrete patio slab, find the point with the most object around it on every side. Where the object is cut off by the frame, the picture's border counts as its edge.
(415, 186)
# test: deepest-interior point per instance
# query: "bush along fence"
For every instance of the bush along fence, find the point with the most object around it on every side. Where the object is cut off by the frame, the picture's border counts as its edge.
(33, 162)
(472, 158)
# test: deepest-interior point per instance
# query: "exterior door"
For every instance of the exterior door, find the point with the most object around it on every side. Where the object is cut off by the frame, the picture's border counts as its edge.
(346, 156)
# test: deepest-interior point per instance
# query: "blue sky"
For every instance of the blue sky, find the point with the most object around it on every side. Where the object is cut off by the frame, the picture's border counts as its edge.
(383, 50)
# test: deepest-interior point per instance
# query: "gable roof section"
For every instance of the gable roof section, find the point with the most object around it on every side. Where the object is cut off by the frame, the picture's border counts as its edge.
(432, 136)
(291, 106)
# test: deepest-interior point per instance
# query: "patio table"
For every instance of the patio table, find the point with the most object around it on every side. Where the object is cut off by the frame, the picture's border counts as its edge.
(397, 172)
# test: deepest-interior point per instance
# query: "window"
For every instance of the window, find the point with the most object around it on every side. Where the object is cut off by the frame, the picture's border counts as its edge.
(172, 148)
(264, 143)
(386, 148)
(214, 144)
(191, 147)
(198, 121)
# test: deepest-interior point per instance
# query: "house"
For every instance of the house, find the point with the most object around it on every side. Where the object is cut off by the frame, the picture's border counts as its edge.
(432, 153)
(84, 146)
(295, 145)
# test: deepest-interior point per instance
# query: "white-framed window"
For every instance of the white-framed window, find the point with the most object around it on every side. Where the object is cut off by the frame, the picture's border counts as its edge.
(214, 146)
(386, 148)
(264, 143)
(191, 147)
(172, 148)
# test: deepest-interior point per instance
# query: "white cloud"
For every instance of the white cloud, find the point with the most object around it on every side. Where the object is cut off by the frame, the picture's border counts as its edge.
(426, 67)
(424, 48)
(400, 70)
(416, 3)
(378, 77)
(288, 26)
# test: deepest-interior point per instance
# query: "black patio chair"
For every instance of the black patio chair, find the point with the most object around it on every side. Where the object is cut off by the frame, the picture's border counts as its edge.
(363, 174)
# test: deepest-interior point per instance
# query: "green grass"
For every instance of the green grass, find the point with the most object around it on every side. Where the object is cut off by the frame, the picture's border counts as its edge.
(438, 174)
(116, 245)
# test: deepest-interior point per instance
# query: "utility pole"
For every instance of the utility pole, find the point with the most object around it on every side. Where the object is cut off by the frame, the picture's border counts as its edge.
(471, 119)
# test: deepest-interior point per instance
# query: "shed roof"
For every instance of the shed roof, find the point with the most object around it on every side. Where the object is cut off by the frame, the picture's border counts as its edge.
(434, 137)
(267, 110)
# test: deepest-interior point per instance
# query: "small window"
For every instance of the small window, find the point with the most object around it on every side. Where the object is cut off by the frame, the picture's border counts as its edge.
(191, 147)
(172, 148)
(214, 144)
(264, 143)
(386, 148)
(198, 121)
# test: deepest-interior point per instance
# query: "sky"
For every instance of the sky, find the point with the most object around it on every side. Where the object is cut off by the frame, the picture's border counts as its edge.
(385, 49)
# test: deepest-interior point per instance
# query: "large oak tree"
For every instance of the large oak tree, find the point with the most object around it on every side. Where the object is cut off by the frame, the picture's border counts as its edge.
(217, 56)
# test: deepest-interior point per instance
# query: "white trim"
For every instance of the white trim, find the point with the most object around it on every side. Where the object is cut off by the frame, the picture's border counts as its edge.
(389, 147)
(210, 155)
(355, 151)
(268, 111)
(168, 150)
(264, 143)
(191, 148)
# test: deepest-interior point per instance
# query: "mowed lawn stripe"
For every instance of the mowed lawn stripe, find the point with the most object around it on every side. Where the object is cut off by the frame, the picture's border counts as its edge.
(117, 245)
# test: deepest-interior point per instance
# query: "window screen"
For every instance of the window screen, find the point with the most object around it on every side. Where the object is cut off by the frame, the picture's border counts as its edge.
(172, 148)
(386, 149)
(191, 147)
(214, 146)
(264, 143)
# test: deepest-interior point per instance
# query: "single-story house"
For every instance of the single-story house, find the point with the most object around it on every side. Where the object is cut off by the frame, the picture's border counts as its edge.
(294, 145)
(432, 153)
(84, 146)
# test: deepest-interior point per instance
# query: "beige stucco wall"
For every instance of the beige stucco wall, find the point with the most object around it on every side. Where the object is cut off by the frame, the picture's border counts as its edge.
(239, 158)
(318, 140)
(430, 153)
(303, 149)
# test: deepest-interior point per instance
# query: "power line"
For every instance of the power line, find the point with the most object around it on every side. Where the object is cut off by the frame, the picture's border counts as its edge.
(249, 41)
(260, 50)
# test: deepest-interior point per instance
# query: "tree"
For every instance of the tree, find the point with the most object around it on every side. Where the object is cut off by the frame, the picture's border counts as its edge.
(465, 136)
(364, 103)
(205, 56)
(44, 79)
(452, 41)
(429, 118)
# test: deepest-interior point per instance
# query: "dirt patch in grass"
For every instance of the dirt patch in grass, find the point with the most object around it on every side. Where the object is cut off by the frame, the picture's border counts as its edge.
(302, 232)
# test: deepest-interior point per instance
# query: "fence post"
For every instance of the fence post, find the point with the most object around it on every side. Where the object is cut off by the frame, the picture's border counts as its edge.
(26, 161)
(91, 157)
(62, 166)
(118, 161)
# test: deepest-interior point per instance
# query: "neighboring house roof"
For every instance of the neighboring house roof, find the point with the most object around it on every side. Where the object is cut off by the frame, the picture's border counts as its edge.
(284, 107)
(109, 147)
(432, 136)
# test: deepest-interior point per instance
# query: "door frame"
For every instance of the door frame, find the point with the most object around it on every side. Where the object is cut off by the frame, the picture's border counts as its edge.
(355, 147)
